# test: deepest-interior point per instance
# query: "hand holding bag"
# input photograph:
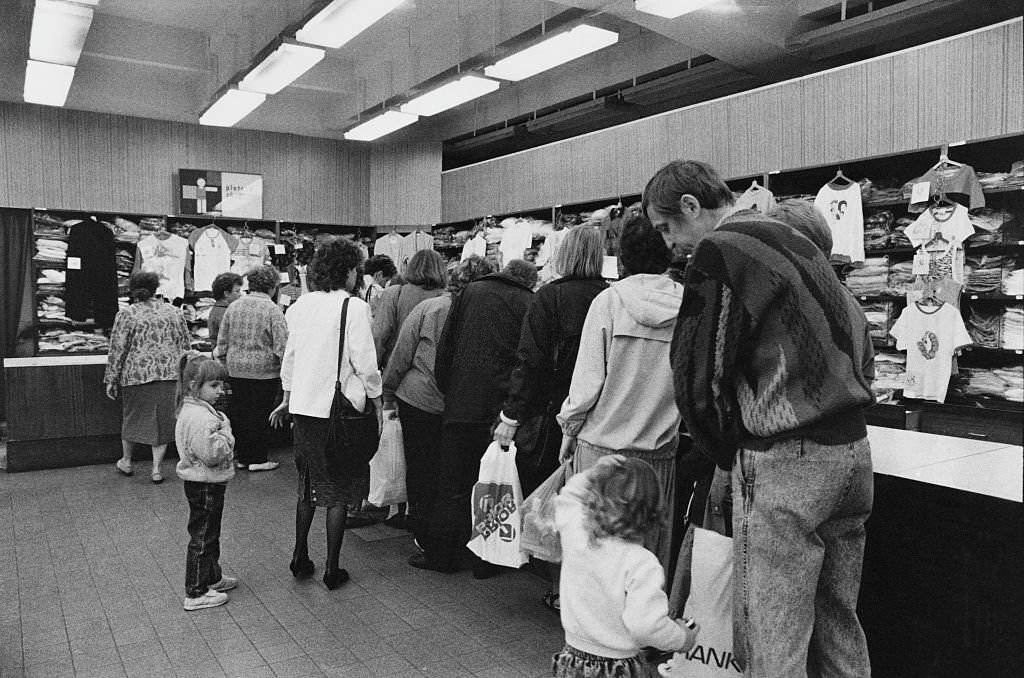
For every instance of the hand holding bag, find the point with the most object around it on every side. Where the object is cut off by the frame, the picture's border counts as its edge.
(351, 435)
(387, 468)
(497, 499)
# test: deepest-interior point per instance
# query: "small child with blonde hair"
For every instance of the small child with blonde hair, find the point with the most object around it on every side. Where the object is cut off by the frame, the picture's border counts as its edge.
(613, 602)
(206, 448)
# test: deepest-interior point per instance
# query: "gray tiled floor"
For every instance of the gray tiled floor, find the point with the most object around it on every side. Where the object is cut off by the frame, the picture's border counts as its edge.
(91, 570)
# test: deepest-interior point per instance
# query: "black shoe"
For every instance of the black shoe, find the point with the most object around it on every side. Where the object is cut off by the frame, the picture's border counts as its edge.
(397, 522)
(301, 568)
(357, 519)
(485, 570)
(422, 562)
(336, 579)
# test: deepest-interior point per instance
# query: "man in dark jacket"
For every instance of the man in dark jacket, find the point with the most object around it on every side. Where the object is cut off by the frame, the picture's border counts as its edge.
(475, 358)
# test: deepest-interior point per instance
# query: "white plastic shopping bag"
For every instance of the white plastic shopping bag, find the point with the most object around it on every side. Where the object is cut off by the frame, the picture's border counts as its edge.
(495, 511)
(387, 468)
(710, 605)
(540, 538)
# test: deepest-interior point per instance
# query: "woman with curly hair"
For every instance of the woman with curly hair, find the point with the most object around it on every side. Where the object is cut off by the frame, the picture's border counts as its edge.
(309, 372)
(626, 340)
(251, 343)
(410, 385)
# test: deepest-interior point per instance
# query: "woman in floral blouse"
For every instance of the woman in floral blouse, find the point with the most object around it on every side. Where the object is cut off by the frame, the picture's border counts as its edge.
(148, 340)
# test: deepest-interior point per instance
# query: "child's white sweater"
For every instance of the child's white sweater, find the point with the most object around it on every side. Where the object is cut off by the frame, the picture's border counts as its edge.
(206, 446)
(612, 591)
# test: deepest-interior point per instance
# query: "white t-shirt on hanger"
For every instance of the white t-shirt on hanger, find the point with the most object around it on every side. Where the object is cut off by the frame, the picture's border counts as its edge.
(167, 257)
(515, 240)
(476, 245)
(844, 212)
(930, 336)
(390, 245)
(212, 257)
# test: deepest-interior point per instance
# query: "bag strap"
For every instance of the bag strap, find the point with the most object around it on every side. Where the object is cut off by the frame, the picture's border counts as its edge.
(341, 339)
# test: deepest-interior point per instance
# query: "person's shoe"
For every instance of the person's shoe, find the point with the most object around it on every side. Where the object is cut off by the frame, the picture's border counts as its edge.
(336, 579)
(485, 570)
(265, 466)
(362, 519)
(421, 562)
(226, 583)
(397, 522)
(416, 543)
(551, 601)
(156, 477)
(209, 599)
(301, 568)
(240, 466)
(123, 468)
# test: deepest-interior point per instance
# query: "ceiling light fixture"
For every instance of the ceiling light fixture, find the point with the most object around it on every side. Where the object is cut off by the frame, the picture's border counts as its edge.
(58, 31)
(553, 51)
(281, 67)
(342, 20)
(453, 94)
(47, 83)
(382, 125)
(671, 9)
(230, 107)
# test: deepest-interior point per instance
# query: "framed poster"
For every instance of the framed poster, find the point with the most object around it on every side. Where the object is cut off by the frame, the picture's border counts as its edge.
(228, 194)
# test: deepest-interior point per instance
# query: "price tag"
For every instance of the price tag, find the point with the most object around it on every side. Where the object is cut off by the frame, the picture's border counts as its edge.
(610, 268)
(255, 249)
(284, 300)
(920, 192)
(279, 249)
(74, 264)
(921, 264)
(284, 277)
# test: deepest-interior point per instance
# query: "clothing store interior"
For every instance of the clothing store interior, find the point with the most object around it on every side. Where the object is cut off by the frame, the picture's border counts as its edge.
(612, 338)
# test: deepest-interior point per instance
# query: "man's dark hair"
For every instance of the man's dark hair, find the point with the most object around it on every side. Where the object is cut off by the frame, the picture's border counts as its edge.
(642, 248)
(331, 264)
(224, 283)
(382, 263)
(680, 177)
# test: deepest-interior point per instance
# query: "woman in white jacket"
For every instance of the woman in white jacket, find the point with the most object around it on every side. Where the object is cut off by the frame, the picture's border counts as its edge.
(621, 400)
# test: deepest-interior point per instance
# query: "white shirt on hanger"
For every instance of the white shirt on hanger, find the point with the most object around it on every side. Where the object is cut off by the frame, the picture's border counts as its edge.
(477, 245)
(390, 245)
(413, 243)
(844, 213)
(930, 336)
(167, 257)
(212, 257)
(515, 240)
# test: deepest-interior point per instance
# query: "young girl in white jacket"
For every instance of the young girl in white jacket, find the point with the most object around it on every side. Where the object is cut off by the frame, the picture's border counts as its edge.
(206, 449)
(613, 601)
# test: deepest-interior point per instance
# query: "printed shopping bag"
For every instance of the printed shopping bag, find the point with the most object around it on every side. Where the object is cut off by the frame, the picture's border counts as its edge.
(387, 468)
(497, 499)
(540, 538)
(710, 605)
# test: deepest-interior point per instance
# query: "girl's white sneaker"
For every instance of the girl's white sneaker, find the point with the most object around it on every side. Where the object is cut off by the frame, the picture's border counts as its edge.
(209, 599)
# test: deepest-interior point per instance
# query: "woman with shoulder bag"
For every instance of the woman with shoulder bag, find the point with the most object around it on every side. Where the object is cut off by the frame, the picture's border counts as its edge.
(330, 365)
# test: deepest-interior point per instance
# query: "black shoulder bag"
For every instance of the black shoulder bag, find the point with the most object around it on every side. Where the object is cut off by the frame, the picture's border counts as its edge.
(352, 436)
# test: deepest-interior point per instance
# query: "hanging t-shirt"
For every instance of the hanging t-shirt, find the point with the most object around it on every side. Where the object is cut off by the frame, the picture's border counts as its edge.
(413, 243)
(929, 335)
(957, 183)
(250, 252)
(845, 215)
(940, 233)
(757, 198)
(212, 256)
(390, 245)
(515, 240)
(167, 257)
(477, 245)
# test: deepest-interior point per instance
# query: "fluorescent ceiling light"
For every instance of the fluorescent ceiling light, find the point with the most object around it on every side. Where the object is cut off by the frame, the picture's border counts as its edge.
(448, 96)
(58, 31)
(281, 67)
(670, 9)
(231, 107)
(342, 20)
(552, 52)
(383, 124)
(47, 83)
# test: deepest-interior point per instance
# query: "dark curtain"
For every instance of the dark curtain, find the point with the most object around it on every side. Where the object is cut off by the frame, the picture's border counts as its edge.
(16, 245)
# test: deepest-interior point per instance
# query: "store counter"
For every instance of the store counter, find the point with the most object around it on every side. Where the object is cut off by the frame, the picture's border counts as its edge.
(941, 591)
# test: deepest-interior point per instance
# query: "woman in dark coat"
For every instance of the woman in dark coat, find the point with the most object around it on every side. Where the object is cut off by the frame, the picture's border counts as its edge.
(475, 359)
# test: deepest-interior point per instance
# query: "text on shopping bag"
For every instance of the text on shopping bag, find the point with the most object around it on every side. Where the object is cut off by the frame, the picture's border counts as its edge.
(493, 505)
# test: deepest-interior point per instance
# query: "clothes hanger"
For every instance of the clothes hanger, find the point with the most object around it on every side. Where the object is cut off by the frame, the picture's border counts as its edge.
(944, 161)
(840, 177)
(754, 186)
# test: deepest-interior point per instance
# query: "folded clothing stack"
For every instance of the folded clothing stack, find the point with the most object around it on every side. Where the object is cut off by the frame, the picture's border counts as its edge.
(871, 277)
(1012, 331)
(877, 230)
(901, 278)
(1002, 382)
(899, 236)
(880, 317)
(890, 373)
(45, 226)
(984, 272)
(126, 231)
(1013, 283)
(983, 326)
(49, 251)
(64, 341)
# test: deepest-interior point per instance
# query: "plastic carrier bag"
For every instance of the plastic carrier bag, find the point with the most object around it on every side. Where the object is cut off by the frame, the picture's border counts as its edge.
(497, 499)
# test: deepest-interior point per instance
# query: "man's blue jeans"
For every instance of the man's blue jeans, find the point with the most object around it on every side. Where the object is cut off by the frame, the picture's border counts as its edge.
(798, 537)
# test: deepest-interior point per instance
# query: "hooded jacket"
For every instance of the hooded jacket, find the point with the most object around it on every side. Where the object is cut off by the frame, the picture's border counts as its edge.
(624, 360)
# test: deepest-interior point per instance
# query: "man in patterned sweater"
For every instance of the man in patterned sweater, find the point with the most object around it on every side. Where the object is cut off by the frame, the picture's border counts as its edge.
(772, 375)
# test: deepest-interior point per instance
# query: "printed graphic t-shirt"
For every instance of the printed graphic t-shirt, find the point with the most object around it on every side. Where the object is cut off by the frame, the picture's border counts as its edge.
(844, 212)
(929, 336)
(945, 260)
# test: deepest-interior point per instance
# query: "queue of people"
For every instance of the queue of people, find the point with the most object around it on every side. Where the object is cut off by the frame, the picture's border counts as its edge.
(760, 360)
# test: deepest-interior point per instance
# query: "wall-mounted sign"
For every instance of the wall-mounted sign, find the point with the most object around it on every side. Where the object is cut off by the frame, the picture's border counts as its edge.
(229, 194)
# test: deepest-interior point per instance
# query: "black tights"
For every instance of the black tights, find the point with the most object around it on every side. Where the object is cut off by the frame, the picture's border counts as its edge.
(336, 516)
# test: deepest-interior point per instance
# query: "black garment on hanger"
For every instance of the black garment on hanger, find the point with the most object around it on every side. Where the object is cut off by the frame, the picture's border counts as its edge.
(91, 291)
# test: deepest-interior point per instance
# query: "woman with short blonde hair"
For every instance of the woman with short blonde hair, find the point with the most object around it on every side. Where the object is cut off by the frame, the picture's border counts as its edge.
(580, 255)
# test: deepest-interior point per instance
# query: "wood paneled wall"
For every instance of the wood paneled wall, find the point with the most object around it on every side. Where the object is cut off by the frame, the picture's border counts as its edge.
(58, 158)
(405, 184)
(968, 87)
